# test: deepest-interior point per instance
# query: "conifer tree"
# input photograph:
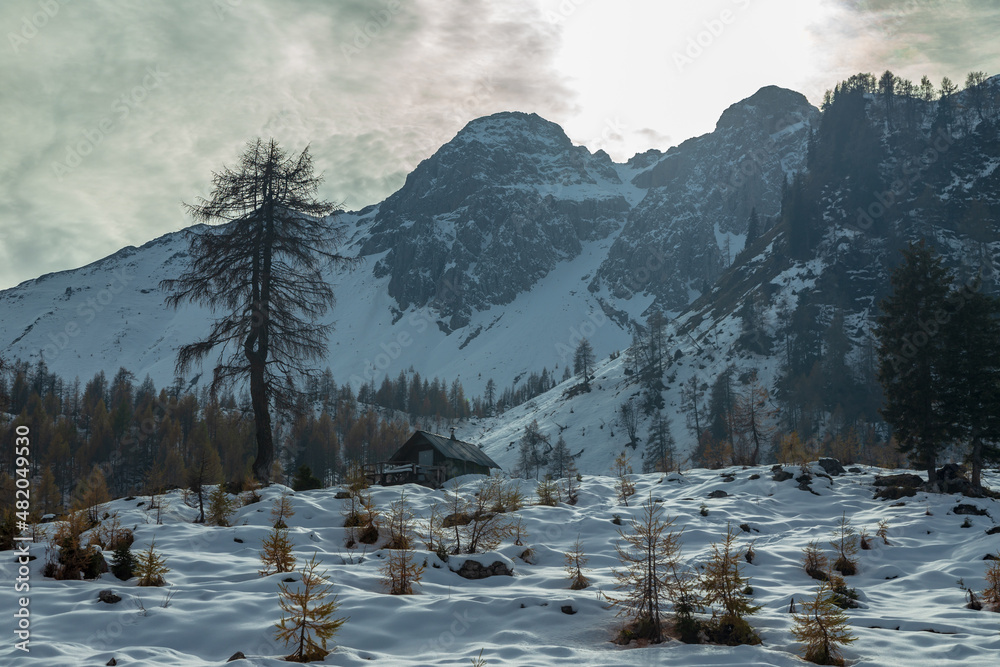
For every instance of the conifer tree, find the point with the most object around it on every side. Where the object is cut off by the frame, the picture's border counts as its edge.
(883, 530)
(823, 628)
(576, 564)
(624, 487)
(547, 492)
(686, 595)
(91, 495)
(991, 594)
(815, 562)
(971, 384)
(750, 419)
(649, 554)
(123, 562)
(399, 572)
(370, 518)
(220, 507)
(305, 480)
(49, 497)
(792, 449)
(912, 363)
(206, 469)
(282, 509)
(276, 554)
(724, 585)
(150, 567)
(264, 272)
(306, 622)
(583, 362)
(399, 524)
(560, 460)
(845, 543)
(519, 532)
(660, 445)
(72, 557)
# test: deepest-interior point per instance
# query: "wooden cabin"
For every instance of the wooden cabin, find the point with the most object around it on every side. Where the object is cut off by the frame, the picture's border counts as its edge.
(430, 459)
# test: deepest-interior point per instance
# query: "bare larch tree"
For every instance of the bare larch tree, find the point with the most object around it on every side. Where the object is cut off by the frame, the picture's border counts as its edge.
(263, 272)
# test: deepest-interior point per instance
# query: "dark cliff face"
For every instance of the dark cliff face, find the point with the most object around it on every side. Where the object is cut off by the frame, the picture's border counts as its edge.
(495, 209)
(491, 213)
(703, 189)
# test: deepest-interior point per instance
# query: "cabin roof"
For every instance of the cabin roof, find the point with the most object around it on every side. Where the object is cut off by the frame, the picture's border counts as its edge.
(455, 449)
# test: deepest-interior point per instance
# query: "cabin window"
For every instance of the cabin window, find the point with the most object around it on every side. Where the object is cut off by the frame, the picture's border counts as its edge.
(425, 457)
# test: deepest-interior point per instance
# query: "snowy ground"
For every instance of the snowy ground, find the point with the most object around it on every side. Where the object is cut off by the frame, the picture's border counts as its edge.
(912, 610)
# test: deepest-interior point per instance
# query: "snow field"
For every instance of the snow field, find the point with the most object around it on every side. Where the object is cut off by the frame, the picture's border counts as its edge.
(912, 612)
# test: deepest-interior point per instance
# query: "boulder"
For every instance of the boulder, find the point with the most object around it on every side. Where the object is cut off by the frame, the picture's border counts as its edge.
(456, 519)
(108, 596)
(472, 569)
(905, 480)
(951, 479)
(971, 510)
(237, 656)
(782, 475)
(718, 493)
(832, 467)
(894, 493)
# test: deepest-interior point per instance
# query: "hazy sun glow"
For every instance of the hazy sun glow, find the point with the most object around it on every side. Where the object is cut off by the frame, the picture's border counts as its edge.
(642, 83)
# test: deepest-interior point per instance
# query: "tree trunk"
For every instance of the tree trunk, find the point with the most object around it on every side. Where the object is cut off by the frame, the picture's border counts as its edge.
(976, 458)
(262, 422)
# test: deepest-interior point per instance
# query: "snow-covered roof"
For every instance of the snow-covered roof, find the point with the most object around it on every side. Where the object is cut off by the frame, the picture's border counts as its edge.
(453, 448)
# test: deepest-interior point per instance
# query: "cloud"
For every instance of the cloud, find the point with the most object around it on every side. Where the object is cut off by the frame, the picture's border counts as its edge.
(913, 37)
(97, 154)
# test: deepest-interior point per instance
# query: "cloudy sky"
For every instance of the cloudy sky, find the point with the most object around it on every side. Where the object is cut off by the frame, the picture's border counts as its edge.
(113, 112)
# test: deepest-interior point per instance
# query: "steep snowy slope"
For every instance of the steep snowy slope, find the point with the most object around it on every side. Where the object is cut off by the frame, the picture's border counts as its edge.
(481, 266)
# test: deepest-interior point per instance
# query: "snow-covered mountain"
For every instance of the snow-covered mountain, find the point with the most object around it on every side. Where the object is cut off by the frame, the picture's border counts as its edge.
(707, 188)
(496, 256)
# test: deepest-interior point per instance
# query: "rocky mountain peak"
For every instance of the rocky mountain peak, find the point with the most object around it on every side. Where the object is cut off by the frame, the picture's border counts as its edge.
(770, 103)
